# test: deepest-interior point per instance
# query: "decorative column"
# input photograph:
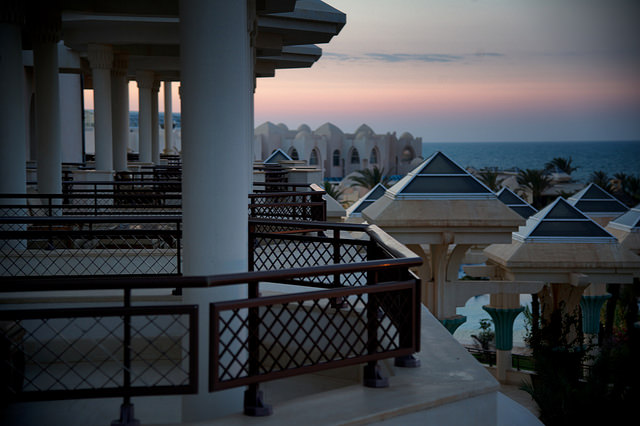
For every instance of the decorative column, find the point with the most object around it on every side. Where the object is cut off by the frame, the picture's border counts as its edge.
(45, 27)
(12, 110)
(215, 83)
(503, 309)
(155, 123)
(120, 110)
(145, 84)
(168, 119)
(591, 304)
(101, 60)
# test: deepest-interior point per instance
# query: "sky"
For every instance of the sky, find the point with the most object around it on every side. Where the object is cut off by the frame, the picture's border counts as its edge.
(468, 70)
(463, 70)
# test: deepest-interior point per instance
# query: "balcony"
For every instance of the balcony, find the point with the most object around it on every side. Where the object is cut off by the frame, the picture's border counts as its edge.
(88, 313)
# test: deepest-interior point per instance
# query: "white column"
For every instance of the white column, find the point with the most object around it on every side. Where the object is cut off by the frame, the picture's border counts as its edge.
(120, 111)
(168, 119)
(49, 148)
(13, 174)
(100, 60)
(145, 83)
(215, 81)
(155, 123)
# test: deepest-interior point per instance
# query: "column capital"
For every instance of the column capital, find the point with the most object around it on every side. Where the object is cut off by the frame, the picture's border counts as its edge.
(120, 64)
(503, 321)
(100, 56)
(145, 79)
(155, 88)
(591, 306)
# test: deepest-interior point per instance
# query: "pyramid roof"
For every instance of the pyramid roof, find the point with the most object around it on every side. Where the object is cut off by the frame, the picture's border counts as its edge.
(595, 201)
(440, 199)
(516, 203)
(376, 192)
(277, 156)
(561, 222)
(630, 221)
(439, 177)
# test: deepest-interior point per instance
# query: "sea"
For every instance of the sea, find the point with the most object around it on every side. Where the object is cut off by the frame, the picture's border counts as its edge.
(610, 157)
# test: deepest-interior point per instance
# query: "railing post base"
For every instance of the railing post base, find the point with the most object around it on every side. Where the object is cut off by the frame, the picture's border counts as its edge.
(126, 417)
(373, 378)
(407, 361)
(254, 405)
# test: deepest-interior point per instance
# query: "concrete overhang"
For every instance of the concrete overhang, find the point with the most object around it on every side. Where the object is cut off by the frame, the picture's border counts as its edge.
(433, 221)
(556, 262)
(312, 21)
(151, 37)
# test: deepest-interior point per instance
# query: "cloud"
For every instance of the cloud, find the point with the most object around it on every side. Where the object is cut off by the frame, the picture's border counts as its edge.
(340, 56)
(405, 57)
(409, 57)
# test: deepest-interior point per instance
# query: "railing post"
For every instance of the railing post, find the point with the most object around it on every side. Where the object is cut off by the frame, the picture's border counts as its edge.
(336, 302)
(178, 291)
(251, 247)
(253, 398)
(126, 409)
(373, 378)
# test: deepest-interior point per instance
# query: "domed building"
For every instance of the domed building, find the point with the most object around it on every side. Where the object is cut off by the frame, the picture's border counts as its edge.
(338, 153)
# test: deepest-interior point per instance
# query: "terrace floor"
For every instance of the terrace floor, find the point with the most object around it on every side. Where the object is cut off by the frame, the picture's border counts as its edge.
(450, 388)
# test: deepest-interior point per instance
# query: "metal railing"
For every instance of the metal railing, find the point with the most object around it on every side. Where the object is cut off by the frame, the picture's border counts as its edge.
(86, 246)
(308, 205)
(114, 200)
(135, 350)
(91, 204)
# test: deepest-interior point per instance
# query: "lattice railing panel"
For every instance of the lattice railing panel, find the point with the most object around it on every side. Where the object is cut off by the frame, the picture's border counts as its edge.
(51, 354)
(280, 251)
(99, 252)
(310, 333)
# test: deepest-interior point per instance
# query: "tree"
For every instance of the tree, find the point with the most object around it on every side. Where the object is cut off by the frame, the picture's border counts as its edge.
(486, 335)
(561, 163)
(536, 181)
(368, 178)
(601, 179)
(490, 178)
(629, 186)
(333, 190)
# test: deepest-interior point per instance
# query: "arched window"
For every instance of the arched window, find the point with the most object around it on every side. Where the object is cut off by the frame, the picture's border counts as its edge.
(336, 157)
(313, 159)
(294, 154)
(355, 156)
(373, 158)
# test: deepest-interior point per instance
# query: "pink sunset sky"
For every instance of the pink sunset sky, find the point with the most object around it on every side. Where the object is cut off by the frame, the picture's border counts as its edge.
(469, 70)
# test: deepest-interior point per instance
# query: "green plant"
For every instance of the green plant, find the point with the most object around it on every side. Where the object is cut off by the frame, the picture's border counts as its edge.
(561, 163)
(486, 335)
(368, 178)
(489, 177)
(601, 179)
(536, 181)
(332, 190)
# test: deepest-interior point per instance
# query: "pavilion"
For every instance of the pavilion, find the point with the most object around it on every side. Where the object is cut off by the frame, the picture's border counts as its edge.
(598, 204)
(572, 255)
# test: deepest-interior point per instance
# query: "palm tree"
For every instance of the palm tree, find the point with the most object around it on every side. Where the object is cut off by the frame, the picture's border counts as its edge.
(561, 163)
(333, 190)
(490, 178)
(536, 181)
(369, 178)
(601, 179)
